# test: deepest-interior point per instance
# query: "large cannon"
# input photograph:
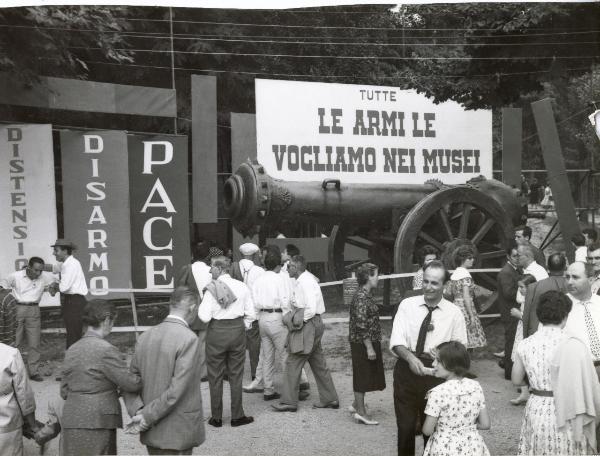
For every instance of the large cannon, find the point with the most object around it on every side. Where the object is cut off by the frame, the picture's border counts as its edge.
(390, 221)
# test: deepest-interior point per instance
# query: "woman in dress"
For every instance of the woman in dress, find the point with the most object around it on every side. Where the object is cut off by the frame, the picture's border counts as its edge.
(547, 201)
(455, 409)
(427, 254)
(518, 313)
(365, 343)
(461, 291)
(94, 371)
(539, 431)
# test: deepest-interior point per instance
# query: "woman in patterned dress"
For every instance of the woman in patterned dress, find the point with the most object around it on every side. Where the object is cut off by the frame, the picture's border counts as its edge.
(525, 280)
(539, 432)
(455, 409)
(365, 343)
(461, 291)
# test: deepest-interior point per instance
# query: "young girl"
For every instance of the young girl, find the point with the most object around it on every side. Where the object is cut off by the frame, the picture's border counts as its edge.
(518, 313)
(456, 408)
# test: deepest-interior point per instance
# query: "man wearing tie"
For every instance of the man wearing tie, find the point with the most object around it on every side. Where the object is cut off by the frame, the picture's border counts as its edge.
(584, 319)
(420, 325)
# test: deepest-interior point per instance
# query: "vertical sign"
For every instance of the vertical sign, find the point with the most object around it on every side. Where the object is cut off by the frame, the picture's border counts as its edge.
(27, 197)
(158, 172)
(96, 206)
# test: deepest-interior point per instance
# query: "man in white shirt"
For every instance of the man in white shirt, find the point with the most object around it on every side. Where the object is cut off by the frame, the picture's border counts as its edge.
(307, 296)
(271, 301)
(248, 270)
(579, 241)
(72, 287)
(593, 258)
(228, 319)
(420, 325)
(28, 286)
(528, 263)
(578, 277)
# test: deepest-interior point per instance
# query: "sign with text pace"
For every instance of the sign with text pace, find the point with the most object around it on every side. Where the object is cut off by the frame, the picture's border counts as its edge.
(310, 131)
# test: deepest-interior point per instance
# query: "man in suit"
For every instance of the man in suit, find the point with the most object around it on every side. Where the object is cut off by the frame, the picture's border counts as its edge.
(507, 291)
(557, 264)
(594, 259)
(168, 359)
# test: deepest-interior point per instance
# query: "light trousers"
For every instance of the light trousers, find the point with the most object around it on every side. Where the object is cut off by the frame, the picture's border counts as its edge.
(29, 330)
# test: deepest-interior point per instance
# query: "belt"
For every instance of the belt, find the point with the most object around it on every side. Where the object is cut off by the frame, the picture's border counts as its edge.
(541, 393)
(597, 363)
(271, 310)
(27, 303)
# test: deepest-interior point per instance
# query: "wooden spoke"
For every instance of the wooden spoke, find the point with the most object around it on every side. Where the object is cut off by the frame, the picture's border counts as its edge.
(430, 240)
(359, 242)
(491, 255)
(485, 278)
(489, 223)
(464, 221)
(446, 223)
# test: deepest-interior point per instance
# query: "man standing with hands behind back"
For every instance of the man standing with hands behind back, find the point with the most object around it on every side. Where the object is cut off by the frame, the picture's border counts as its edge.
(420, 325)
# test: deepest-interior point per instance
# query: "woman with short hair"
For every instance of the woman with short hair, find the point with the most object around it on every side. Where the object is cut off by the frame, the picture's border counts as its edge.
(365, 342)
(94, 372)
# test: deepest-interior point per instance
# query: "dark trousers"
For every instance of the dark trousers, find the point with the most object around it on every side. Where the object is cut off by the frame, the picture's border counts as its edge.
(293, 370)
(72, 310)
(253, 346)
(226, 352)
(409, 404)
(154, 450)
(510, 329)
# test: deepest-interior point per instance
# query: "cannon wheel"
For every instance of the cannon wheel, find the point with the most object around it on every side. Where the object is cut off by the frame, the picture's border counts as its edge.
(455, 215)
(339, 237)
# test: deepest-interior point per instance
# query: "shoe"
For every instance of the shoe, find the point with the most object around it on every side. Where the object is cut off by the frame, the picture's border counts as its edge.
(204, 379)
(303, 395)
(331, 405)
(352, 410)
(284, 408)
(58, 378)
(270, 397)
(518, 401)
(242, 421)
(215, 422)
(361, 419)
(499, 354)
(36, 378)
(501, 364)
(252, 389)
(304, 386)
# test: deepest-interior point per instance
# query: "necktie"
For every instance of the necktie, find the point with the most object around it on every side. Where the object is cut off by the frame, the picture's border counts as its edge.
(591, 330)
(423, 330)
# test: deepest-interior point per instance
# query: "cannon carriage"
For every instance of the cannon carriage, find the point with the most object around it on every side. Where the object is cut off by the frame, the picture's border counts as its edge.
(391, 222)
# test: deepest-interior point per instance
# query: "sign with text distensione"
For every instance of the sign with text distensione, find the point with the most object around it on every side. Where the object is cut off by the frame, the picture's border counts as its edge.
(96, 206)
(27, 197)
(160, 239)
(310, 131)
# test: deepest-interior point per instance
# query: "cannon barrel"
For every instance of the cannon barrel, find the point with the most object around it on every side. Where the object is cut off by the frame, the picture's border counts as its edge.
(253, 198)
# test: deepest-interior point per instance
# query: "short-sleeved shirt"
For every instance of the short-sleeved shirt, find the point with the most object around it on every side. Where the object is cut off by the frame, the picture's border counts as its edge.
(26, 290)
(8, 318)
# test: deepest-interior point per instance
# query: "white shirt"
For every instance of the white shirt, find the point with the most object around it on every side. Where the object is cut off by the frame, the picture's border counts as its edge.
(242, 307)
(26, 290)
(202, 275)
(448, 324)
(576, 320)
(270, 291)
(536, 271)
(72, 280)
(581, 254)
(250, 271)
(596, 284)
(307, 295)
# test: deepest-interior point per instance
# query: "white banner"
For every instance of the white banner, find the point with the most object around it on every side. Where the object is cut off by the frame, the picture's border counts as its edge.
(310, 131)
(27, 198)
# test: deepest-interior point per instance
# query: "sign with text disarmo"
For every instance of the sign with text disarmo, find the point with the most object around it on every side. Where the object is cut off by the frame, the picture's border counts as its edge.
(309, 131)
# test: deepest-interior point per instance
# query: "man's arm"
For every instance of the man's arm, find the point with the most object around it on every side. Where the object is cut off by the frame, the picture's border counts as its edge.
(459, 328)
(185, 363)
(206, 306)
(67, 278)
(399, 342)
(249, 312)
(115, 368)
(527, 308)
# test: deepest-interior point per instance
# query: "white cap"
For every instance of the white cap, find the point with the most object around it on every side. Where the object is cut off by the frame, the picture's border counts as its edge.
(248, 249)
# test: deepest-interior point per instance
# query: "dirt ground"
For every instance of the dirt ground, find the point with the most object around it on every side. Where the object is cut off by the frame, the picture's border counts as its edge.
(311, 431)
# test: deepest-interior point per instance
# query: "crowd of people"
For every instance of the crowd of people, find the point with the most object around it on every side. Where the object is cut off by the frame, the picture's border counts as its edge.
(269, 305)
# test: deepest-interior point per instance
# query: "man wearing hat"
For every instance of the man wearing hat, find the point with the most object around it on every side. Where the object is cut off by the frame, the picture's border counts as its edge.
(72, 287)
(247, 271)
